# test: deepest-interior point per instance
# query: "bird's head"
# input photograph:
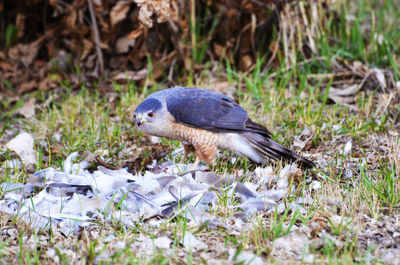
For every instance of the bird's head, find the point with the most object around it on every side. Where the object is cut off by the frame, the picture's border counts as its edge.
(149, 116)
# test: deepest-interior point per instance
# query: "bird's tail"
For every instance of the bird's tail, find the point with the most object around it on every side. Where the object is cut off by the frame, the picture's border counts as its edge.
(268, 148)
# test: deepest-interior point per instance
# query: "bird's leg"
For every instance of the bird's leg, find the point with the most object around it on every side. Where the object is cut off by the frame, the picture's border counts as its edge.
(195, 164)
(188, 148)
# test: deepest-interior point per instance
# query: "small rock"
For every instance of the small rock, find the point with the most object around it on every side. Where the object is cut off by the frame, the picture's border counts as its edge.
(191, 243)
(162, 242)
(293, 245)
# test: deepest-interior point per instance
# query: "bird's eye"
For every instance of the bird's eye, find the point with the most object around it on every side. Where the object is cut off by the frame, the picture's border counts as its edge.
(150, 114)
(134, 116)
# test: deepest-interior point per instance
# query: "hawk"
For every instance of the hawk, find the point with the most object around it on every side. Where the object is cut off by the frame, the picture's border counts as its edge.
(206, 121)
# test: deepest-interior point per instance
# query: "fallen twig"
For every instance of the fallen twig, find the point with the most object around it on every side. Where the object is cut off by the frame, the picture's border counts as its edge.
(96, 37)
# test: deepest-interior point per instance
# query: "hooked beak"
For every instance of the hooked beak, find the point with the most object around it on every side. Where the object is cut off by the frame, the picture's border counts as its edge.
(140, 120)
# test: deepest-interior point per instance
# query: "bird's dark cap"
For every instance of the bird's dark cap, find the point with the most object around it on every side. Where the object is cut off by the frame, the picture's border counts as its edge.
(150, 104)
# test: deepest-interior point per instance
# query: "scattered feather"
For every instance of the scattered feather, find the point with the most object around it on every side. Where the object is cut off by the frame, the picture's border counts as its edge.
(75, 197)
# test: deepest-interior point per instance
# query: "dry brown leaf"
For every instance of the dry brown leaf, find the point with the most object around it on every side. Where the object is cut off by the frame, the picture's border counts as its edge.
(7, 67)
(53, 3)
(157, 151)
(304, 140)
(28, 109)
(245, 62)
(23, 145)
(87, 47)
(384, 101)
(344, 96)
(25, 53)
(380, 77)
(131, 75)
(219, 50)
(145, 14)
(359, 68)
(124, 44)
(161, 8)
(136, 33)
(348, 91)
(97, 2)
(27, 86)
(119, 11)
(71, 19)
(47, 83)
(73, 37)
(318, 223)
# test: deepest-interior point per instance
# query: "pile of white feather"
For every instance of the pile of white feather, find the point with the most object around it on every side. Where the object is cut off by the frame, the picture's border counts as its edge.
(75, 197)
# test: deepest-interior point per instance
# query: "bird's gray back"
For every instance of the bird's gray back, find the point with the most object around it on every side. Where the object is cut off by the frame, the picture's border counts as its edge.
(203, 108)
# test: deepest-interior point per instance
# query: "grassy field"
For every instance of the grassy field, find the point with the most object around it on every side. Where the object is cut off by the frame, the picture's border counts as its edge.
(342, 105)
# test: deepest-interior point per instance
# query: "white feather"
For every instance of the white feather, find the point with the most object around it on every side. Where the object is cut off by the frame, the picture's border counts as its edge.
(239, 145)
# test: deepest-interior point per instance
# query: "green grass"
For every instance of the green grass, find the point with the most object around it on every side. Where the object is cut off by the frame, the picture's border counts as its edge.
(382, 189)
(85, 122)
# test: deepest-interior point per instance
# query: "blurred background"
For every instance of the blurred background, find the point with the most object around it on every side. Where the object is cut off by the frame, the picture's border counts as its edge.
(95, 43)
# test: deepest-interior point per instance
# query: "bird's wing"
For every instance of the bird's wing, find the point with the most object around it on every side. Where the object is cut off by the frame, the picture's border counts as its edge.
(206, 109)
